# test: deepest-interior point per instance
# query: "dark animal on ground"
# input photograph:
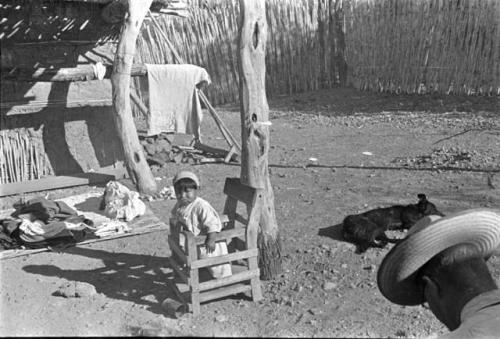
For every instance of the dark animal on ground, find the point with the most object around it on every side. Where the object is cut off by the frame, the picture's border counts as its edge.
(368, 229)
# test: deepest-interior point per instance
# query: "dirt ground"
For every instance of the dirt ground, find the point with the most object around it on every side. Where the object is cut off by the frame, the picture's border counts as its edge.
(373, 150)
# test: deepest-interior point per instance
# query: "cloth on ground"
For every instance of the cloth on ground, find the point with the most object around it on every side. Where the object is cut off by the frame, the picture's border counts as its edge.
(174, 105)
(7, 242)
(9, 226)
(45, 210)
(40, 222)
(113, 227)
(121, 203)
(37, 230)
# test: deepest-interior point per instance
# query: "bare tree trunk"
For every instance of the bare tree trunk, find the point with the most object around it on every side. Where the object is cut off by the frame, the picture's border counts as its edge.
(255, 130)
(135, 160)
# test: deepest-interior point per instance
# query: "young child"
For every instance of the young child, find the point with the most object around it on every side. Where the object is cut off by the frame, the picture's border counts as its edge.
(194, 214)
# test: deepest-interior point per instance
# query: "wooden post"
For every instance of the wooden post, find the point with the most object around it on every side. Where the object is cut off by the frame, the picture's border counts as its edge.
(255, 130)
(135, 160)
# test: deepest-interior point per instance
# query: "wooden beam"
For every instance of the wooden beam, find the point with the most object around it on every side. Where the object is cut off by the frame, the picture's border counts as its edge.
(221, 259)
(136, 163)
(69, 74)
(104, 2)
(235, 278)
(55, 182)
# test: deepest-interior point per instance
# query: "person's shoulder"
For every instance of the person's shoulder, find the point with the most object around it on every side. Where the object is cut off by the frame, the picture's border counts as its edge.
(201, 202)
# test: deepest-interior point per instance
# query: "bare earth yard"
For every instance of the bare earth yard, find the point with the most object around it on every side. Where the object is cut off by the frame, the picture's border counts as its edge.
(415, 145)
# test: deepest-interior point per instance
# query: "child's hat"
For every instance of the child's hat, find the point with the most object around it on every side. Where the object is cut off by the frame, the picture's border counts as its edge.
(186, 175)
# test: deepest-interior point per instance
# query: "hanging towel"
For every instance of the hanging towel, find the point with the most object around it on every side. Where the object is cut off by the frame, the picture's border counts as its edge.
(174, 105)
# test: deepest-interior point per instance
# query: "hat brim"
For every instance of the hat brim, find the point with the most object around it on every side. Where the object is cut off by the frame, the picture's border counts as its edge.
(397, 276)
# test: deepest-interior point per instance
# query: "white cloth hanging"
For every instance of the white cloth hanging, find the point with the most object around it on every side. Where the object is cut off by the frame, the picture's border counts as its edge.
(174, 105)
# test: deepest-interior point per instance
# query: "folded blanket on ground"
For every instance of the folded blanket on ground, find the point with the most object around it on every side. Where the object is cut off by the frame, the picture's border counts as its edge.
(174, 105)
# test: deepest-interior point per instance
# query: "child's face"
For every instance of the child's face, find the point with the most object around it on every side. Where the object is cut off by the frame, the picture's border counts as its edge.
(186, 195)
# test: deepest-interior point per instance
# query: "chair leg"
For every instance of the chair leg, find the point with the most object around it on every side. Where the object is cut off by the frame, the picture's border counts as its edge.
(256, 291)
(195, 292)
(255, 282)
(194, 278)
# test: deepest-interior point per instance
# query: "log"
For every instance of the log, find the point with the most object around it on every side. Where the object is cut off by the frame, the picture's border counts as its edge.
(81, 73)
(255, 133)
(135, 160)
(105, 2)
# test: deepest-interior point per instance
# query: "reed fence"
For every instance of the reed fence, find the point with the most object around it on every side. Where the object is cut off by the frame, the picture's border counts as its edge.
(445, 46)
(21, 158)
(397, 46)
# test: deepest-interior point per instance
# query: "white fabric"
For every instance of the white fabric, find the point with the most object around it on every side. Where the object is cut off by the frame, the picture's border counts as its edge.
(199, 217)
(174, 105)
(39, 228)
(112, 227)
(99, 70)
(122, 203)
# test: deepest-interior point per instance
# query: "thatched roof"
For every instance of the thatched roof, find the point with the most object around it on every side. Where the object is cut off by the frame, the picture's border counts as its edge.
(25, 21)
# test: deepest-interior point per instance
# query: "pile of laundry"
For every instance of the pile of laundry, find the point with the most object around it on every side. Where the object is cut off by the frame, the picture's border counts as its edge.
(40, 222)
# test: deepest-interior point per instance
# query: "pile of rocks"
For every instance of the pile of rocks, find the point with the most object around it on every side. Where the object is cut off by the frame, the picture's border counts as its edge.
(450, 157)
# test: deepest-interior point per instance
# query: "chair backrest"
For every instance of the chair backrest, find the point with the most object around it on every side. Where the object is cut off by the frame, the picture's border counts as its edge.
(252, 198)
(235, 189)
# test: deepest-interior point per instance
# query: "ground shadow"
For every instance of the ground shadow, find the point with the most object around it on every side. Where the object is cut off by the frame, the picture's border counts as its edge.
(141, 279)
(91, 204)
(334, 232)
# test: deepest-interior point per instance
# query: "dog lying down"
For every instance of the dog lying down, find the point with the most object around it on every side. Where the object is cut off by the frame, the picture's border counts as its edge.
(368, 229)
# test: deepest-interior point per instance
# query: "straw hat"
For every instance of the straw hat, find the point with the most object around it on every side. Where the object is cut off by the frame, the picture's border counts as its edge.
(478, 228)
(186, 175)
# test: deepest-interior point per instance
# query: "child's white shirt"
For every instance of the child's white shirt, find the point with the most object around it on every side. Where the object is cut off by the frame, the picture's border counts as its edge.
(200, 217)
(197, 215)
